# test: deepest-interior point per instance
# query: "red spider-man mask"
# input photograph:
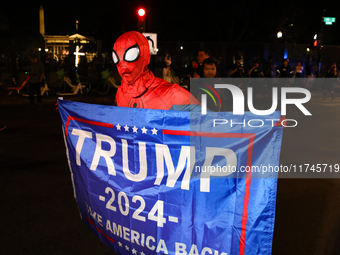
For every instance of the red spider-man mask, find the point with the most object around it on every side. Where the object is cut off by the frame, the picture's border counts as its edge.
(131, 54)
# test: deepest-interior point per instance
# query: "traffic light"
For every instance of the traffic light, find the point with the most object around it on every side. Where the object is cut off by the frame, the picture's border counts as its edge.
(141, 20)
(316, 41)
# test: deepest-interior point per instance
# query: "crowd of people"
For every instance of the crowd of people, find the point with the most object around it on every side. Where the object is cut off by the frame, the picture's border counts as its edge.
(207, 67)
(237, 69)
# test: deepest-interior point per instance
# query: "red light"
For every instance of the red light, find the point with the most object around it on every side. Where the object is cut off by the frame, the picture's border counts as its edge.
(315, 43)
(141, 12)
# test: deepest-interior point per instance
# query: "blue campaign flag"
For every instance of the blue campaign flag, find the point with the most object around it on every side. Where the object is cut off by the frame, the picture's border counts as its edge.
(170, 182)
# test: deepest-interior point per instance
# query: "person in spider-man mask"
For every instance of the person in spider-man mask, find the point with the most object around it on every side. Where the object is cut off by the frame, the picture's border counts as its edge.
(139, 87)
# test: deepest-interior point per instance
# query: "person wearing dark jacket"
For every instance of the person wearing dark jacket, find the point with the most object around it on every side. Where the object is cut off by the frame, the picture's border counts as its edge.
(36, 73)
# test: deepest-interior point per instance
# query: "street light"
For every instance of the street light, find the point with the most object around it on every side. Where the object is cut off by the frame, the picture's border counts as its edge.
(279, 34)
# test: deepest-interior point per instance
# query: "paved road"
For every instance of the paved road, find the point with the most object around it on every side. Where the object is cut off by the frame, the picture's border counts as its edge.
(39, 214)
(308, 210)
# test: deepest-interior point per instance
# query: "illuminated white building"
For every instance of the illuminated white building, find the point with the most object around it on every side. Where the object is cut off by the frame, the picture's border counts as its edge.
(58, 45)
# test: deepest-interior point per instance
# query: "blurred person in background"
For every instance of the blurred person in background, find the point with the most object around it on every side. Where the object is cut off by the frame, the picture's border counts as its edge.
(328, 84)
(214, 102)
(170, 71)
(269, 68)
(285, 71)
(196, 68)
(255, 71)
(36, 73)
(298, 70)
(237, 70)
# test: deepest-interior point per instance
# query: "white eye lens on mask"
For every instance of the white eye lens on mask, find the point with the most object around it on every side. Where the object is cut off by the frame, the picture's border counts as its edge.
(115, 57)
(132, 53)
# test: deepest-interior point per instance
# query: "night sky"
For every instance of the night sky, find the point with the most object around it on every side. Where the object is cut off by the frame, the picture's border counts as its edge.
(239, 21)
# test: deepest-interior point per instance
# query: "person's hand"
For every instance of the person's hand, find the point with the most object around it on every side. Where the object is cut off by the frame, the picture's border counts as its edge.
(196, 75)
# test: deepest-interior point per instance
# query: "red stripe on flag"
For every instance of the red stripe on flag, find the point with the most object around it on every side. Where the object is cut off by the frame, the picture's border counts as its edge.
(99, 230)
(91, 122)
(209, 134)
(246, 198)
(251, 137)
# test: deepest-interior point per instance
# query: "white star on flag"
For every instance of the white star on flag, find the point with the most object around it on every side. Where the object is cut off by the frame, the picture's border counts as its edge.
(134, 129)
(120, 244)
(144, 130)
(142, 253)
(118, 126)
(154, 131)
(134, 251)
(126, 247)
(126, 128)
